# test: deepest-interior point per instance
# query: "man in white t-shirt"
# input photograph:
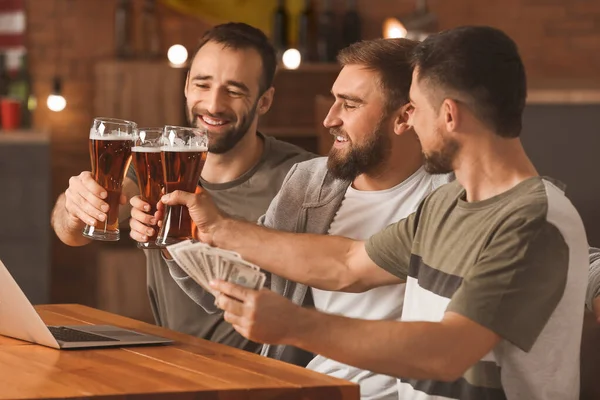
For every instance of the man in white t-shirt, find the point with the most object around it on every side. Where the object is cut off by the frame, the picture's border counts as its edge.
(372, 178)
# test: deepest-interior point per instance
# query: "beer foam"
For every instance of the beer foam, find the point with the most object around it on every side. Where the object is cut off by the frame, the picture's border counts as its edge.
(184, 149)
(142, 149)
(114, 135)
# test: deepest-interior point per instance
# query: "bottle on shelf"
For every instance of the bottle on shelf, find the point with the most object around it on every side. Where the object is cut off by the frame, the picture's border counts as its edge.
(19, 88)
(350, 24)
(150, 35)
(4, 77)
(123, 29)
(280, 29)
(307, 31)
(326, 40)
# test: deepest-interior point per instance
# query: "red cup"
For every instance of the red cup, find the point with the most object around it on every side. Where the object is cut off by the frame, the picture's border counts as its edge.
(10, 113)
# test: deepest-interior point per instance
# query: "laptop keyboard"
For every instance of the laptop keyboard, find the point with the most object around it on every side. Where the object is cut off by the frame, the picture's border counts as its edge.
(65, 334)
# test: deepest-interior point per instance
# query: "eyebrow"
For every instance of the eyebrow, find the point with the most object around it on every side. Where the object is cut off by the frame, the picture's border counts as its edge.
(236, 84)
(348, 97)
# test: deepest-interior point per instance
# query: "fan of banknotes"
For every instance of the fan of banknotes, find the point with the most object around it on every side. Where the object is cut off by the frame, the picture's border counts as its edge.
(204, 263)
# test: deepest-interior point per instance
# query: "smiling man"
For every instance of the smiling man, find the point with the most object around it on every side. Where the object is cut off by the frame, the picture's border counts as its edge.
(373, 177)
(229, 86)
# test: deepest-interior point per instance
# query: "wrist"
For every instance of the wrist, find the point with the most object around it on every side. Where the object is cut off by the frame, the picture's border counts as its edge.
(219, 231)
(302, 322)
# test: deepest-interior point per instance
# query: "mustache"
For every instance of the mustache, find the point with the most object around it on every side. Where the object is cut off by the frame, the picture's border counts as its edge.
(338, 132)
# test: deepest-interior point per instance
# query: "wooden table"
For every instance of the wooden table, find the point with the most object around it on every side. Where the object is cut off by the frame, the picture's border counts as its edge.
(191, 368)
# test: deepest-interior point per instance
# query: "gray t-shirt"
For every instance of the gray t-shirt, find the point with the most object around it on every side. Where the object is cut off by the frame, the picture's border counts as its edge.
(516, 264)
(247, 197)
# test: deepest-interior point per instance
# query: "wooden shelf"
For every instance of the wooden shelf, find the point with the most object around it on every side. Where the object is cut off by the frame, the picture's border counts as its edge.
(23, 136)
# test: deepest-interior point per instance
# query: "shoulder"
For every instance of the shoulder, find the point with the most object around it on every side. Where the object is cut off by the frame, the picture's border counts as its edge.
(308, 172)
(279, 152)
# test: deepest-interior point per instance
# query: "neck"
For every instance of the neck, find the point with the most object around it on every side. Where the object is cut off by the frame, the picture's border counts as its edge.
(226, 167)
(492, 165)
(403, 160)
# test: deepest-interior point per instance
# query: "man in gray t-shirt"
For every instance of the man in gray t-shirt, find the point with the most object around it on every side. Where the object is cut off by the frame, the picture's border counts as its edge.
(228, 87)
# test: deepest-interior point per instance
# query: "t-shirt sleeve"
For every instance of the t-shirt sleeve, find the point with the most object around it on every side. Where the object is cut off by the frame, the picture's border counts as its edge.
(131, 174)
(391, 248)
(517, 282)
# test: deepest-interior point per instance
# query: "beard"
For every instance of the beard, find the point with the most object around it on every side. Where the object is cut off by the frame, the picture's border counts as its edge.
(349, 163)
(442, 161)
(223, 142)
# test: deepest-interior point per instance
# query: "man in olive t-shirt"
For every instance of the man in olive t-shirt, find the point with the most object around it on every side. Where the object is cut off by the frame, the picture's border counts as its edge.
(515, 264)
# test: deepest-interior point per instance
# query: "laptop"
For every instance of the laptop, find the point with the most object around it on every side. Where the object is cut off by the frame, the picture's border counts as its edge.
(19, 320)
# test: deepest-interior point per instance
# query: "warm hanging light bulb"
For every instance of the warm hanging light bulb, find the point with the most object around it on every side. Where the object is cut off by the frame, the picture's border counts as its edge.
(56, 102)
(393, 29)
(177, 55)
(291, 59)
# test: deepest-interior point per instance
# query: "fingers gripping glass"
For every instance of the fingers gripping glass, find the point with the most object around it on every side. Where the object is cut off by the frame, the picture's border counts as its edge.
(184, 152)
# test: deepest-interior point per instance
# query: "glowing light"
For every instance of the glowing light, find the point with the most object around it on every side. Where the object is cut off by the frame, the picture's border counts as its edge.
(393, 29)
(291, 59)
(56, 102)
(177, 55)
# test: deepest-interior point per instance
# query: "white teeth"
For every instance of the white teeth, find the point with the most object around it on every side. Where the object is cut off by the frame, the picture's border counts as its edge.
(214, 122)
(341, 139)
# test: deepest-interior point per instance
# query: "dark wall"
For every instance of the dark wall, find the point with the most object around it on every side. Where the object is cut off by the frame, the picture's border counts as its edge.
(564, 143)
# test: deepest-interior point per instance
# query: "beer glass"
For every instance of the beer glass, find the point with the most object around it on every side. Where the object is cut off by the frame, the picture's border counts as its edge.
(110, 152)
(183, 155)
(147, 164)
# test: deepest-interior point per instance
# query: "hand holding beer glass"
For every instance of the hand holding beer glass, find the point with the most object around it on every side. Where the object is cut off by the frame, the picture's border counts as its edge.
(147, 163)
(110, 152)
(184, 152)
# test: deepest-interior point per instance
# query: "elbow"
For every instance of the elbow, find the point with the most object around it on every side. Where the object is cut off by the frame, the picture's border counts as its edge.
(350, 283)
(447, 370)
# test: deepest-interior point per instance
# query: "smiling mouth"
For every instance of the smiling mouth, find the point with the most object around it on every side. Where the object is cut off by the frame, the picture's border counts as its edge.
(213, 121)
(340, 139)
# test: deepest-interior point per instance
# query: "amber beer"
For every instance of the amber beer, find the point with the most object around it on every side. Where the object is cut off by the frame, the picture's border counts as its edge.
(110, 145)
(147, 163)
(110, 160)
(182, 168)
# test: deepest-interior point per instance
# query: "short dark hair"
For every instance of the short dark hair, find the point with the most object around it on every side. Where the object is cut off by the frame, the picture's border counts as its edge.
(237, 35)
(391, 59)
(483, 65)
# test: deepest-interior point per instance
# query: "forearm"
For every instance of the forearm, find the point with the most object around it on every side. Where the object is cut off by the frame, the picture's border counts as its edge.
(68, 230)
(416, 350)
(314, 260)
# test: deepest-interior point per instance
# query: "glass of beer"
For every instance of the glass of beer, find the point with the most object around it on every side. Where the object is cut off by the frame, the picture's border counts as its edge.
(183, 155)
(110, 151)
(147, 164)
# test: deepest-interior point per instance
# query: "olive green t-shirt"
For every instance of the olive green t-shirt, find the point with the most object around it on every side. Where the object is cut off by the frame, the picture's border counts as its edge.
(246, 197)
(516, 264)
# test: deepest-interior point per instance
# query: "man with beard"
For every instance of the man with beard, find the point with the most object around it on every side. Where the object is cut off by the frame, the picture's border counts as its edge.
(229, 85)
(495, 263)
(373, 177)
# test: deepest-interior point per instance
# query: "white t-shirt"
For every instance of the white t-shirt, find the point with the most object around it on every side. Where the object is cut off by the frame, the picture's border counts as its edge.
(362, 214)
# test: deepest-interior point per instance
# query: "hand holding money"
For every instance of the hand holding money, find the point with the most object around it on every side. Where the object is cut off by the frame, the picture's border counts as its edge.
(262, 316)
(204, 263)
